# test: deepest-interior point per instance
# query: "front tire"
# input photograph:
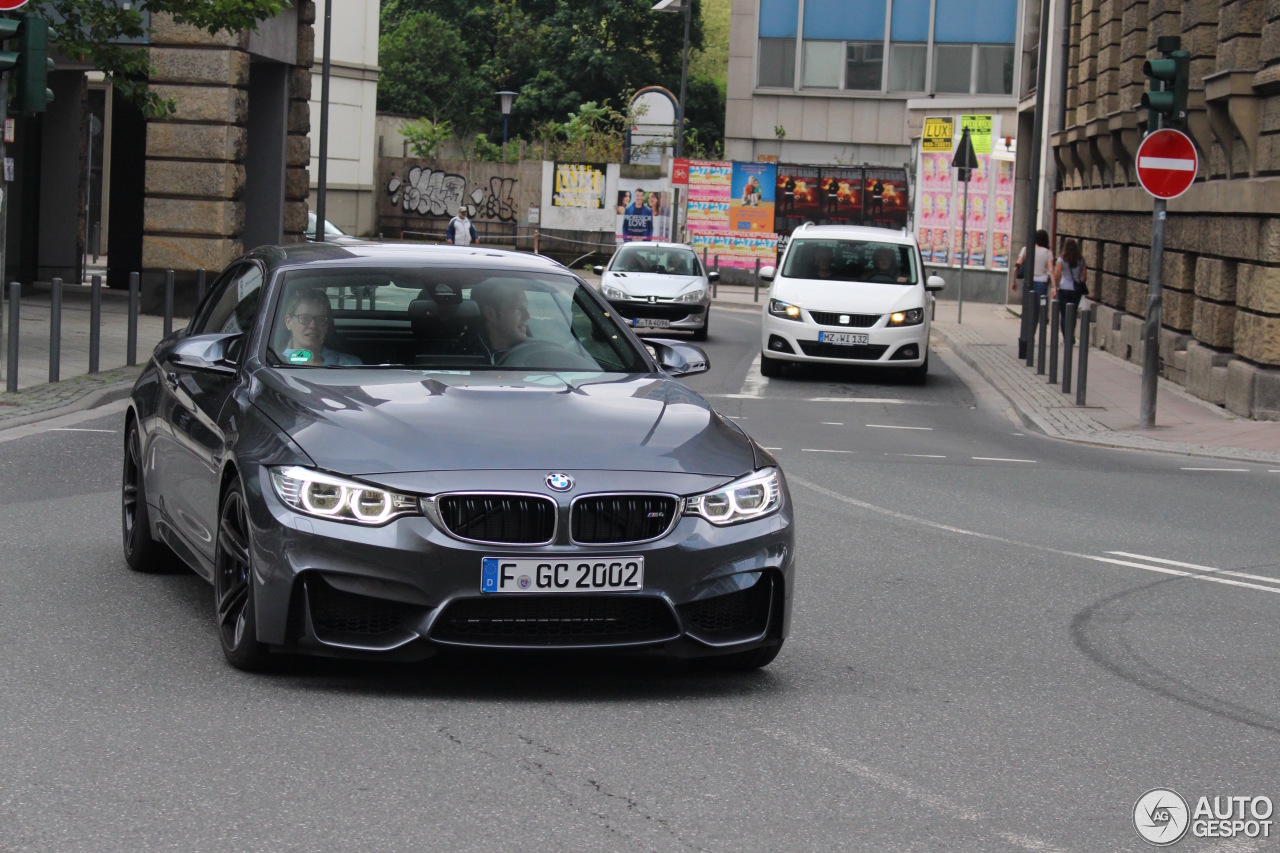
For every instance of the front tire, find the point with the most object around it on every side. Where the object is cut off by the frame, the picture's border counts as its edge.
(233, 585)
(918, 375)
(141, 551)
(701, 334)
(770, 366)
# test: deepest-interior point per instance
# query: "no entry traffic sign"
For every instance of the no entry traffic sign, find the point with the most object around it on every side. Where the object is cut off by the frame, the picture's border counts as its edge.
(1167, 163)
(10, 5)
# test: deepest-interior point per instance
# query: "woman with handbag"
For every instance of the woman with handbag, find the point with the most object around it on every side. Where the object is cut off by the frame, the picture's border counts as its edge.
(1042, 265)
(1070, 280)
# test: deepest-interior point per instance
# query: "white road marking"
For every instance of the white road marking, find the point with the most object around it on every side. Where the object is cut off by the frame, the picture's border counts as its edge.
(904, 788)
(773, 448)
(752, 392)
(832, 423)
(76, 429)
(1245, 575)
(1228, 470)
(920, 455)
(999, 459)
(735, 417)
(894, 426)
(820, 450)
(754, 383)
(990, 537)
(1019, 434)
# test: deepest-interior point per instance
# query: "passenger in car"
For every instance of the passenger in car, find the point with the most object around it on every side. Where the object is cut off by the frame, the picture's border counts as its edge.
(823, 262)
(884, 265)
(308, 320)
(505, 311)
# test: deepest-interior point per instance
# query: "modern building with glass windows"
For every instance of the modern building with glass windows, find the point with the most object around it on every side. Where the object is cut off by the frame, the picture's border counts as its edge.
(850, 81)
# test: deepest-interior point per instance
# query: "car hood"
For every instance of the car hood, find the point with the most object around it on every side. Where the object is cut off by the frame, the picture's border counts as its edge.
(852, 297)
(366, 422)
(651, 284)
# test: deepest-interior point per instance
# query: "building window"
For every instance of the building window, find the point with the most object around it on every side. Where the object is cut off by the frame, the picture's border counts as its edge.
(995, 70)
(952, 68)
(907, 67)
(778, 63)
(864, 65)
(822, 64)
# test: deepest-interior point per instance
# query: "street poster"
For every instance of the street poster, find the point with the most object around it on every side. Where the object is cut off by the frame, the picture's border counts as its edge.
(643, 209)
(710, 188)
(977, 258)
(980, 128)
(884, 198)
(796, 194)
(938, 134)
(737, 249)
(751, 197)
(579, 185)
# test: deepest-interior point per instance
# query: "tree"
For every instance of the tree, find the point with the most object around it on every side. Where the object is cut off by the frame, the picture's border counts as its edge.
(425, 71)
(93, 29)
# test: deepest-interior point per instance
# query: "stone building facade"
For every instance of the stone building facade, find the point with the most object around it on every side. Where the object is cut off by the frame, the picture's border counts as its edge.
(229, 169)
(1221, 270)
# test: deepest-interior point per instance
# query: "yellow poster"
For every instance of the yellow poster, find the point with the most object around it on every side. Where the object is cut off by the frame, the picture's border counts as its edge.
(938, 133)
(979, 128)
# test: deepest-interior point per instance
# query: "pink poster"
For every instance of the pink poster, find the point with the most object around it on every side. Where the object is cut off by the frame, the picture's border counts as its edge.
(926, 209)
(942, 208)
(977, 213)
(1002, 215)
(1004, 176)
(977, 256)
(999, 251)
(937, 172)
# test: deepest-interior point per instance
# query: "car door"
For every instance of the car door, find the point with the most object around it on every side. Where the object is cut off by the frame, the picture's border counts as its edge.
(194, 400)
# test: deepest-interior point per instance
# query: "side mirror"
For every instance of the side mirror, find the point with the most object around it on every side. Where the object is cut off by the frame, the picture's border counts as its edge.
(713, 276)
(678, 358)
(768, 273)
(207, 353)
(597, 269)
(934, 283)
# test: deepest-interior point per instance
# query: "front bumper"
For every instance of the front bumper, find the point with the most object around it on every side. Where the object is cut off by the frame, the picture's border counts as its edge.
(404, 590)
(797, 340)
(677, 315)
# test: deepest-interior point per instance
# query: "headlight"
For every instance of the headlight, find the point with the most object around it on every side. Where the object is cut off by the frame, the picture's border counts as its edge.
(612, 292)
(914, 317)
(753, 496)
(325, 496)
(778, 308)
(691, 296)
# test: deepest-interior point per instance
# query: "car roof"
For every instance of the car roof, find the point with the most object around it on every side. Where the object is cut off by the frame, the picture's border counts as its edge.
(658, 244)
(372, 254)
(856, 232)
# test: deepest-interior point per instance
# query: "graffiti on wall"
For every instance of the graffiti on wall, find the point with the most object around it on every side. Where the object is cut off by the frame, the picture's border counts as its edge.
(433, 192)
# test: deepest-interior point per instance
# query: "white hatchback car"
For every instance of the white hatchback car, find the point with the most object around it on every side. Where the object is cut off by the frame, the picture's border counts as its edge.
(659, 286)
(848, 295)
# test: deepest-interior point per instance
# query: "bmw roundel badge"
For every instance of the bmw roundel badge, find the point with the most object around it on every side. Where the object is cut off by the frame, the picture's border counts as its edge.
(560, 482)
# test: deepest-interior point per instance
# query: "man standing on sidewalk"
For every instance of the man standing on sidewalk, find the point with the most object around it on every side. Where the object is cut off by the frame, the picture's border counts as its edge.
(461, 231)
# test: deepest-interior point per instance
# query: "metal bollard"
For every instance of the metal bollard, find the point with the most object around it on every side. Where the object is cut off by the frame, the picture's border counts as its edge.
(1042, 314)
(1082, 376)
(1022, 329)
(200, 286)
(1053, 344)
(15, 312)
(55, 329)
(756, 297)
(536, 236)
(1033, 322)
(704, 257)
(95, 322)
(1068, 342)
(131, 351)
(715, 287)
(168, 302)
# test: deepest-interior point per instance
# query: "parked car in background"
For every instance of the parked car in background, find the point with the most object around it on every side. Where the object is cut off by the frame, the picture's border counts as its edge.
(659, 286)
(848, 295)
(332, 233)
(479, 454)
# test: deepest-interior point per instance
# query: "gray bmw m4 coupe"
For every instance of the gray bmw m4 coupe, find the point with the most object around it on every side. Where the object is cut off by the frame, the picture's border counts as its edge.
(383, 451)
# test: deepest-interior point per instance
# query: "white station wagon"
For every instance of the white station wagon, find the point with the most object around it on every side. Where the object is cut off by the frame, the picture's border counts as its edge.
(848, 295)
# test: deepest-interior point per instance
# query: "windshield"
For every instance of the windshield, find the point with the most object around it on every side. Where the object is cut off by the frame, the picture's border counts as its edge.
(330, 229)
(445, 319)
(851, 260)
(664, 260)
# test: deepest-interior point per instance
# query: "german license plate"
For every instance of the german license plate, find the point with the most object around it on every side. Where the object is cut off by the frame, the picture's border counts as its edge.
(534, 574)
(650, 323)
(843, 338)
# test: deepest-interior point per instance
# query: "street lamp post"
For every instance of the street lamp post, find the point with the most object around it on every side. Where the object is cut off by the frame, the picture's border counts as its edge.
(322, 180)
(685, 6)
(505, 99)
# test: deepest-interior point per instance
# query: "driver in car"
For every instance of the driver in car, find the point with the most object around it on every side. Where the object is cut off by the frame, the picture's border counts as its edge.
(307, 317)
(505, 310)
(884, 265)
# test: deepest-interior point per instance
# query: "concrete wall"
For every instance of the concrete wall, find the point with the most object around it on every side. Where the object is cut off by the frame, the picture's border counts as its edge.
(353, 94)
(422, 196)
(1221, 271)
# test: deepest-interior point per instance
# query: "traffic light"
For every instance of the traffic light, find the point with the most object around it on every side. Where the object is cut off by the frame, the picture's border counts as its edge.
(1166, 101)
(8, 29)
(32, 94)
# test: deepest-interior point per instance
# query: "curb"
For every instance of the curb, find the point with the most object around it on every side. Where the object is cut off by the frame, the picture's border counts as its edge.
(1032, 420)
(89, 400)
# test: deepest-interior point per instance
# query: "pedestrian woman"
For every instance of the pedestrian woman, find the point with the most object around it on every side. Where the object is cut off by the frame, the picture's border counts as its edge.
(1070, 277)
(1042, 266)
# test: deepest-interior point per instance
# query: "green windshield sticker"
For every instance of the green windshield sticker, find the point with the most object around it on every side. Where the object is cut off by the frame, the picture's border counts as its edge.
(300, 356)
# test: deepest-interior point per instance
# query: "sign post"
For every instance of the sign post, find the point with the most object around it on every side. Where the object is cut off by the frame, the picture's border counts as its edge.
(1166, 165)
(965, 161)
